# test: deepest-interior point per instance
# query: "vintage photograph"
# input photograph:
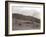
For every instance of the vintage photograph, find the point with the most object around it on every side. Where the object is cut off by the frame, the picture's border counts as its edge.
(24, 18)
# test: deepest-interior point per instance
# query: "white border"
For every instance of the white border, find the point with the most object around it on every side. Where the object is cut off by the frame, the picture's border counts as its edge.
(22, 31)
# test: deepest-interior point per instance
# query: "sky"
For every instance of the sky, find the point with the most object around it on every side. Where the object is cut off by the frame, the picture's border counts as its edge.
(28, 10)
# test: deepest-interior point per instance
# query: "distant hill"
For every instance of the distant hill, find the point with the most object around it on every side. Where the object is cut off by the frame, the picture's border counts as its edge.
(23, 17)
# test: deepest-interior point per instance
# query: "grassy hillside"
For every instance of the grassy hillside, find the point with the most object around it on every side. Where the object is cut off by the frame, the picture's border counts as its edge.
(23, 17)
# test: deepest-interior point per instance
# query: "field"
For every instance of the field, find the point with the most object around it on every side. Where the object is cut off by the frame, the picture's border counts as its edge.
(21, 22)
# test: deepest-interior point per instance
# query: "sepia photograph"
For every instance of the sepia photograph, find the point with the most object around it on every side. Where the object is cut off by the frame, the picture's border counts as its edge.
(25, 18)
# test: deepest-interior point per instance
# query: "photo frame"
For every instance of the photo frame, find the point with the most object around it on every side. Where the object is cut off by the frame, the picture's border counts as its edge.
(24, 18)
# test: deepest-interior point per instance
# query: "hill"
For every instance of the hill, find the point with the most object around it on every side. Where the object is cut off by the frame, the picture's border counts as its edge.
(23, 17)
